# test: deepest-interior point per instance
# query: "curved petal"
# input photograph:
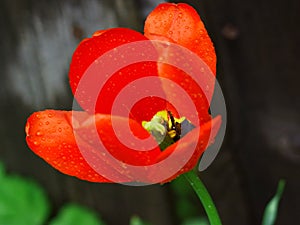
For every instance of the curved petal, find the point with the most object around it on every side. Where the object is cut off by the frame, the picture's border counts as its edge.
(206, 137)
(67, 145)
(103, 66)
(180, 24)
(50, 136)
(125, 139)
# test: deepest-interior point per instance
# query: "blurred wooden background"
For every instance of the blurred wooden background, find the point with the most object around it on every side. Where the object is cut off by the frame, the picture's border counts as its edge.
(258, 47)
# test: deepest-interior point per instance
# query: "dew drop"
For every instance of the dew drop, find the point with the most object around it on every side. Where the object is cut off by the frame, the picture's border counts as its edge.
(59, 129)
(50, 115)
(39, 133)
(47, 122)
(36, 143)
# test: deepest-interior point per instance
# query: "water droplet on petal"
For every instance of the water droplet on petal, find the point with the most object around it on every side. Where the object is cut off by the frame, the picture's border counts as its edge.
(36, 143)
(50, 115)
(39, 133)
(47, 122)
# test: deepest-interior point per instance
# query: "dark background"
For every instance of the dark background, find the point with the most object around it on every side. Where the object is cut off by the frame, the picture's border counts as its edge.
(257, 44)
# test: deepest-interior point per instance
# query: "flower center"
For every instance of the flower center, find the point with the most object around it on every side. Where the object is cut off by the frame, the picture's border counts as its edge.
(166, 129)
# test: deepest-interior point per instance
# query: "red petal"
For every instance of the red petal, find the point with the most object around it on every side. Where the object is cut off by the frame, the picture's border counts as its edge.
(133, 62)
(114, 131)
(66, 146)
(181, 24)
(50, 136)
(207, 134)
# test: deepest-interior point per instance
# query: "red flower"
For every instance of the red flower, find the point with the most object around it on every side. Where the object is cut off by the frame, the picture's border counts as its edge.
(65, 139)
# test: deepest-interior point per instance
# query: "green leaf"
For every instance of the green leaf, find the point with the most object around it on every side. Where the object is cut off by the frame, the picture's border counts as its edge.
(196, 221)
(135, 220)
(271, 210)
(21, 201)
(73, 214)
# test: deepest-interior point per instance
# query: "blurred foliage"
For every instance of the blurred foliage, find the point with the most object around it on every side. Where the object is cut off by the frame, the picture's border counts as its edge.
(196, 221)
(186, 202)
(135, 220)
(271, 210)
(74, 214)
(23, 202)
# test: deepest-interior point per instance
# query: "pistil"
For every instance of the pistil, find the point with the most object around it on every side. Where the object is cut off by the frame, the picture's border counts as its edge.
(166, 129)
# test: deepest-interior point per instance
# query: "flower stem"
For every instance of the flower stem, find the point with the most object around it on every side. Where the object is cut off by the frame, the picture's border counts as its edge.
(204, 197)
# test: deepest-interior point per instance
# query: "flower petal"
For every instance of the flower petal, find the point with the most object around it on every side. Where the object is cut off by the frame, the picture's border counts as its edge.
(121, 137)
(180, 24)
(50, 136)
(66, 140)
(207, 134)
(105, 51)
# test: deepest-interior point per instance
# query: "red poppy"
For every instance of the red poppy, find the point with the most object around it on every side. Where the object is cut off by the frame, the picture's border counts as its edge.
(64, 139)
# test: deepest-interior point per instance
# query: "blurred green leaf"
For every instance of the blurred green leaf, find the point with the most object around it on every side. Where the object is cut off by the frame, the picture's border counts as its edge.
(196, 221)
(21, 201)
(184, 199)
(271, 210)
(72, 214)
(185, 208)
(135, 220)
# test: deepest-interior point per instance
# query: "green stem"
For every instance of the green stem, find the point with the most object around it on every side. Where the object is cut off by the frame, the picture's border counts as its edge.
(204, 197)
